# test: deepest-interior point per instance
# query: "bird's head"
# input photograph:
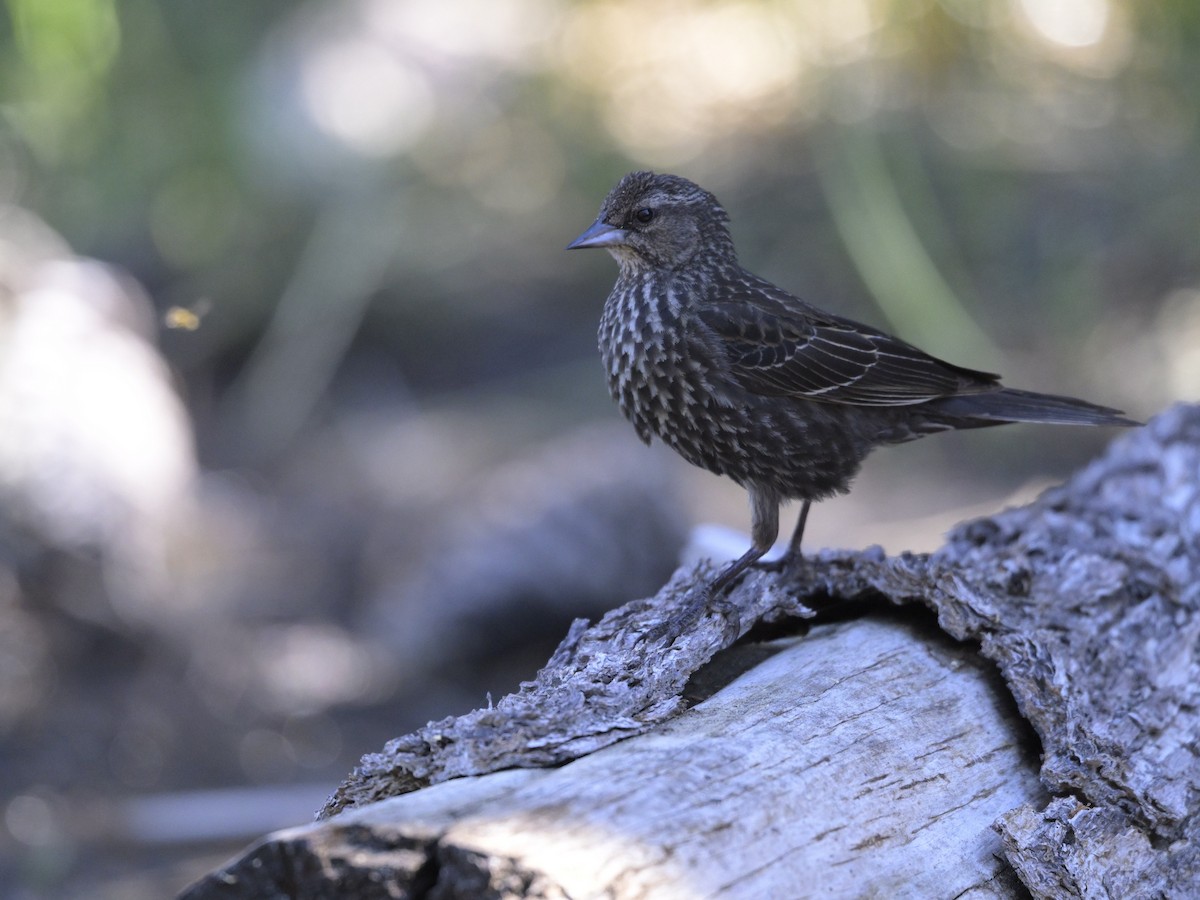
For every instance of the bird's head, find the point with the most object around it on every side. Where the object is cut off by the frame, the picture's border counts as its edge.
(659, 221)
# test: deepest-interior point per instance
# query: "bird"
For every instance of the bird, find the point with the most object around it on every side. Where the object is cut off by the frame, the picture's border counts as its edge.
(744, 379)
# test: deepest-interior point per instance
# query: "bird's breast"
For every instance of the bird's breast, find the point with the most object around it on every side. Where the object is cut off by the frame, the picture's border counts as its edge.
(653, 372)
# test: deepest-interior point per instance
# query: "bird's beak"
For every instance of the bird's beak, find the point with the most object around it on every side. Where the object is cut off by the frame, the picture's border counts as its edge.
(599, 234)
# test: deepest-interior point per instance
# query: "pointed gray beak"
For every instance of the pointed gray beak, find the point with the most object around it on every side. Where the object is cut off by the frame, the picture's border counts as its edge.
(599, 234)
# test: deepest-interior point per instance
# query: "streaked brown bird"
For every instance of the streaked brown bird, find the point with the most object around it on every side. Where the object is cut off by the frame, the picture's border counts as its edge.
(747, 380)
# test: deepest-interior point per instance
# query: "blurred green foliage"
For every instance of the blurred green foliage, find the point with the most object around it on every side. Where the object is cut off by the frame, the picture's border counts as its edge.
(325, 177)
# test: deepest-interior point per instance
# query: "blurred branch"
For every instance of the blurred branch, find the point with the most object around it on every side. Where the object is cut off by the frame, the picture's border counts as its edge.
(897, 268)
(347, 258)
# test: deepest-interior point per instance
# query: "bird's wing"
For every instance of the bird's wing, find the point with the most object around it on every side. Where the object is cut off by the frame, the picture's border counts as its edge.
(779, 346)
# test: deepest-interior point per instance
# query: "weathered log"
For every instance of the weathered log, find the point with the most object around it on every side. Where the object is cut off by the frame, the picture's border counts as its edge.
(869, 757)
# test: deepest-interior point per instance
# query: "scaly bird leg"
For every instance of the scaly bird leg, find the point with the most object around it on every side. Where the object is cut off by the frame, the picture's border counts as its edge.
(793, 551)
(793, 554)
(727, 576)
(764, 528)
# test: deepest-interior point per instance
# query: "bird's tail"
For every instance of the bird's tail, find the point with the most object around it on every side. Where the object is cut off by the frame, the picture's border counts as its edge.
(1009, 405)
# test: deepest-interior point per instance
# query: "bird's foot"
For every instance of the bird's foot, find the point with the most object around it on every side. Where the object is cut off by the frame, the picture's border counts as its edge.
(702, 600)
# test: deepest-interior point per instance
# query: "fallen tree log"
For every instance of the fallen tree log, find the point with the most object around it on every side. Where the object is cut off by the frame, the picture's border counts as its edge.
(872, 756)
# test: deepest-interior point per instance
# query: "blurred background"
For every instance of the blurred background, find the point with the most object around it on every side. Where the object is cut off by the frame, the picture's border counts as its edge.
(303, 435)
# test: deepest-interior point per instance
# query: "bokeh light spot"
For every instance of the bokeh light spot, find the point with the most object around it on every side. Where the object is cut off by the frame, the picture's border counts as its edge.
(31, 820)
(1069, 23)
(467, 29)
(361, 93)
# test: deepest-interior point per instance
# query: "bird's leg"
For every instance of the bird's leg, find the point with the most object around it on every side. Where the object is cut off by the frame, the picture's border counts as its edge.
(793, 551)
(764, 528)
(793, 555)
(730, 573)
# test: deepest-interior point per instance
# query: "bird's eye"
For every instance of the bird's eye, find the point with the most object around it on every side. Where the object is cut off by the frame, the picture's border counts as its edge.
(644, 215)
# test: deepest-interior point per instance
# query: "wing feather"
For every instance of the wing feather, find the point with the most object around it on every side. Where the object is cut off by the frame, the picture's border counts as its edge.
(777, 345)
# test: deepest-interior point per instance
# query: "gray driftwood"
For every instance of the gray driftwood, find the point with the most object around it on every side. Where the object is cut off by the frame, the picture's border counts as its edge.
(870, 757)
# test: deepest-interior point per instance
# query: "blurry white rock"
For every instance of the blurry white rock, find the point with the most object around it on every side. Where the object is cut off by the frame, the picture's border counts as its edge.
(96, 448)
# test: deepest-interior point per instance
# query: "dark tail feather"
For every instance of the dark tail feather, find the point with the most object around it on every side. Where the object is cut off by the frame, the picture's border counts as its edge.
(1008, 405)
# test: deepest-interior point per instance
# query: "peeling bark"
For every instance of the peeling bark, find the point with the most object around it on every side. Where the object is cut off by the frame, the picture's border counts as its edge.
(1088, 602)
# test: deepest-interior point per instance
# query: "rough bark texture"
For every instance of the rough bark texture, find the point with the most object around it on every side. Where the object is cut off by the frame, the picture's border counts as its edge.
(1087, 600)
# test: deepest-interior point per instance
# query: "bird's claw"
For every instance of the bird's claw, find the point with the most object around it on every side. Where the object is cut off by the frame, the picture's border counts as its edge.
(703, 600)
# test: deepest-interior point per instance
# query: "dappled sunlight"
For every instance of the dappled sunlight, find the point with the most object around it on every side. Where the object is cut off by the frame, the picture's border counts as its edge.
(672, 76)
(1069, 23)
(377, 77)
(1094, 37)
(363, 95)
(670, 81)
(668, 76)
(452, 32)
